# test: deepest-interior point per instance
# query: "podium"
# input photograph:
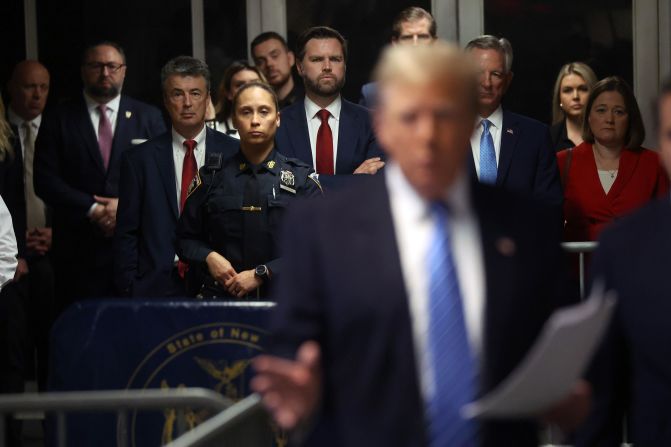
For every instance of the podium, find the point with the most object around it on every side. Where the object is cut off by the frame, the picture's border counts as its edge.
(153, 344)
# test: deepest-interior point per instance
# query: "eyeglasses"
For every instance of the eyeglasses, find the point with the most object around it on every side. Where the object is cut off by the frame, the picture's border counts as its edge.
(112, 67)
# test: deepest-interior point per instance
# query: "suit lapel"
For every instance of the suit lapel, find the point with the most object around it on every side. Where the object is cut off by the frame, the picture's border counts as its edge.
(509, 136)
(166, 168)
(347, 140)
(84, 127)
(298, 133)
(122, 132)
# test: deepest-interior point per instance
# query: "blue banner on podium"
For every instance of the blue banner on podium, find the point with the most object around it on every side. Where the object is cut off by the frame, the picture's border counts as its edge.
(131, 344)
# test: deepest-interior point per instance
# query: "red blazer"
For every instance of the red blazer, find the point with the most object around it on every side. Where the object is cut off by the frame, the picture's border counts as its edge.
(587, 208)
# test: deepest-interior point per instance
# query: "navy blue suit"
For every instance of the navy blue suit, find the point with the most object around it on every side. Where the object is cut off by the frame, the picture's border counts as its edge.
(343, 287)
(69, 170)
(527, 161)
(144, 246)
(356, 141)
(632, 370)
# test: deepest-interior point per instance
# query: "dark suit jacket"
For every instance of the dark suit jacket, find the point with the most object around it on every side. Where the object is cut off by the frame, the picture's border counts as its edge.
(632, 370)
(69, 170)
(144, 246)
(343, 287)
(527, 162)
(356, 142)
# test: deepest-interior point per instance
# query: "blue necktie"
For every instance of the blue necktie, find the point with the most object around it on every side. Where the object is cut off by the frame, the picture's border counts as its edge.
(451, 357)
(487, 155)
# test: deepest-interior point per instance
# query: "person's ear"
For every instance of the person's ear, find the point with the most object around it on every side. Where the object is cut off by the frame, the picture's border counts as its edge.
(292, 58)
(509, 80)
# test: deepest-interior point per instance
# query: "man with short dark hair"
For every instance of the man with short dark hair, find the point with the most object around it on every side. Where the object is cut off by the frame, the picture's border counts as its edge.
(77, 160)
(509, 150)
(273, 56)
(324, 130)
(412, 26)
(155, 181)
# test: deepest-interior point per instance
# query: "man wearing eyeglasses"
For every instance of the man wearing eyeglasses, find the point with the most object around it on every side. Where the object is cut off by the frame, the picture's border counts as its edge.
(77, 163)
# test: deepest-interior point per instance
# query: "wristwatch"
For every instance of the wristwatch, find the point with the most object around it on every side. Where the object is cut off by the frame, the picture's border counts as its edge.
(262, 272)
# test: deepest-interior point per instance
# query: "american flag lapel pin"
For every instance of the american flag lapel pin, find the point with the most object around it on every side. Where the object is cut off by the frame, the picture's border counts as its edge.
(510, 131)
(128, 113)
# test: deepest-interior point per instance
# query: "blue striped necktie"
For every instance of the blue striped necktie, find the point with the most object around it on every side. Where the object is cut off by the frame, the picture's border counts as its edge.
(454, 371)
(487, 155)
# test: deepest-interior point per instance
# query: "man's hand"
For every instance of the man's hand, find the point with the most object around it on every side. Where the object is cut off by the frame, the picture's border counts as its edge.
(38, 240)
(290, 389)
(243, 283)
(105, 217)
(370, 166)
(219, 267)
(572, 410)
(21, 269)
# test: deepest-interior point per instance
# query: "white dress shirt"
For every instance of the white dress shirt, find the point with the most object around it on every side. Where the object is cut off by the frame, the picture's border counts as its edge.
(94, 112)
(8, 248)
(413, 225)
(314, 122)
(178, 153)
(18, 122)
(495, 129)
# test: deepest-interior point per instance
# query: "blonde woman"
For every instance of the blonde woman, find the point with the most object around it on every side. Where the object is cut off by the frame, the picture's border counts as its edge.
(572, 87)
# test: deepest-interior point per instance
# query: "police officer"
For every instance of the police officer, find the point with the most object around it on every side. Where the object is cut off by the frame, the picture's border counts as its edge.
(229, 226)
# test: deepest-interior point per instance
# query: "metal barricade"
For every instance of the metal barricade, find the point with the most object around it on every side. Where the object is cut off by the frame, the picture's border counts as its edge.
(119, 401)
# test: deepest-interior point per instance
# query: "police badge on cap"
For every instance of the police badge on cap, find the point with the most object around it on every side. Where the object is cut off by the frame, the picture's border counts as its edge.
(287, 181)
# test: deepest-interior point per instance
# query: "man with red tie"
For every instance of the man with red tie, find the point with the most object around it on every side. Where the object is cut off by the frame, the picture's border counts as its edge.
(76, 171)
(155, 181)
(326, 131)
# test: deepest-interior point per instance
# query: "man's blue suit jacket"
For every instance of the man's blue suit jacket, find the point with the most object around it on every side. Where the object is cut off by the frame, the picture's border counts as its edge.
(632, 370)
(144, 245)
(356, 141)
(343, 287)
(69, 170)
(527, 161)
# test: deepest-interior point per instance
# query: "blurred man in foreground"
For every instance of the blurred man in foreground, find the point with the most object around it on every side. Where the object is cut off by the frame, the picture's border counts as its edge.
(401, 300)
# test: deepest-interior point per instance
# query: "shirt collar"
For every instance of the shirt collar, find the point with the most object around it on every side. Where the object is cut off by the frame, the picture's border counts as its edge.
(92, 104)
(334, 108)
(270, 164)
(457, 197)
(179, 140)
(495, 118)
(18, 121)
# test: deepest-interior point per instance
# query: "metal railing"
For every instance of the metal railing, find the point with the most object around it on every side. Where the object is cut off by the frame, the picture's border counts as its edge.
(118, 401)
(581, 248)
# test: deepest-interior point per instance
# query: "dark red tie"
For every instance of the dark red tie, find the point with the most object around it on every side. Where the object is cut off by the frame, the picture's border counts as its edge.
(189, 170)
(324, 144)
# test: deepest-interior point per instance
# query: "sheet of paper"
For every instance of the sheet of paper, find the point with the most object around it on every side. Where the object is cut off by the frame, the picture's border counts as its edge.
(553, 364)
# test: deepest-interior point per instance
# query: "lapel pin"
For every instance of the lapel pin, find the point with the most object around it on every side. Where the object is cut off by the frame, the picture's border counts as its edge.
(128, 113)
(510, 131)
(506, 246)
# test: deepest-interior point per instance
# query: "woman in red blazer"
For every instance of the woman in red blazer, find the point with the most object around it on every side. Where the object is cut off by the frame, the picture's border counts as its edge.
(609, 174)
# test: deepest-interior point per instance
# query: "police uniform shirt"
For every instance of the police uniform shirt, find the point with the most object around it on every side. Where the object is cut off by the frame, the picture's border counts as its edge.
(236, 211)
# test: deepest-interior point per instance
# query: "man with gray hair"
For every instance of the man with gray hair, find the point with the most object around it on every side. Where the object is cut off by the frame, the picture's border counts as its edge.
(509, 150)
(76, 171)
(155, 181)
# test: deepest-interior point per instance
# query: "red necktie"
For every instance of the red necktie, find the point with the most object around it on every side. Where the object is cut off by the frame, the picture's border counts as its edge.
(105, 135)
(189, 170)
(324, 144)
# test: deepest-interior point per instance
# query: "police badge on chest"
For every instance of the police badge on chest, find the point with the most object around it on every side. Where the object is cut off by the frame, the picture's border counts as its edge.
(287, 181)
